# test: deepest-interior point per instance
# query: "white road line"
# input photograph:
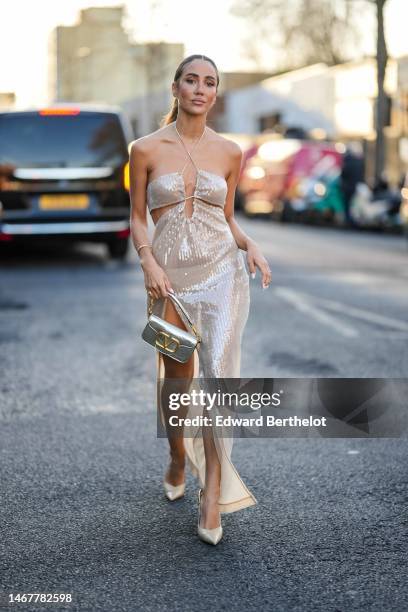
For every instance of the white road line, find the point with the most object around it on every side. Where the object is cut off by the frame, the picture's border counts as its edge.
(390, 334)
(345, 309)
(359, 313)
(304, 304)
(368, 278)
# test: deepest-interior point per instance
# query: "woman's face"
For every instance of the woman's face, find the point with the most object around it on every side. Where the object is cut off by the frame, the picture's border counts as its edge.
(197, 87)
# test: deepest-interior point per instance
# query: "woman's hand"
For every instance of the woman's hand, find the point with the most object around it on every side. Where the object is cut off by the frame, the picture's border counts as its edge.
(256, 259)
(156, 282)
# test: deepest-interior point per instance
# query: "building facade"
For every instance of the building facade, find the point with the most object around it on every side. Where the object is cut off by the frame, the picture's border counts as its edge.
(93, 61)
(337, 100)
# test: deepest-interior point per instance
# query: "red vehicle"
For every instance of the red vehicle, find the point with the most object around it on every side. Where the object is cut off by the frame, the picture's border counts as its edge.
(275, 174)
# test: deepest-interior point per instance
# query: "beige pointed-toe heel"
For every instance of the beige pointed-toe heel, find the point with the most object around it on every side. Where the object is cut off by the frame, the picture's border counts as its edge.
(211, 536)
(174, 492)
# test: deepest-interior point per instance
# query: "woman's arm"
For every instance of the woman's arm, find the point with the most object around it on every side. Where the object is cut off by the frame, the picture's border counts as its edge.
(156, 280)
(244, 242)
(137, 189)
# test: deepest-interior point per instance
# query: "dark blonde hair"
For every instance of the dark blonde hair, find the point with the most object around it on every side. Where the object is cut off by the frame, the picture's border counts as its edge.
(172, 114)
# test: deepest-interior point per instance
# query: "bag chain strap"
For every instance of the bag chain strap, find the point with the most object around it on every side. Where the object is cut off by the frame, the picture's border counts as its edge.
(174, 299)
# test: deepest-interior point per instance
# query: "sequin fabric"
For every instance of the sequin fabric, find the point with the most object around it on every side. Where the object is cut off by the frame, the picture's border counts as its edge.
(208, 274)
(169, 189)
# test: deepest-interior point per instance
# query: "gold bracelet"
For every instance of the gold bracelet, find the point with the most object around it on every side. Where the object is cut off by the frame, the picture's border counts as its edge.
(141, 247)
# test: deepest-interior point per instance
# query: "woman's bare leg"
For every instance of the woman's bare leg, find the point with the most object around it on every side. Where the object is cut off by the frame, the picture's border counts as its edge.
(210, 515)
(175, 370)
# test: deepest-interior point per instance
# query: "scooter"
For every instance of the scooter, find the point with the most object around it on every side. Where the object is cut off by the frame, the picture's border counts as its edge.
(380, 210)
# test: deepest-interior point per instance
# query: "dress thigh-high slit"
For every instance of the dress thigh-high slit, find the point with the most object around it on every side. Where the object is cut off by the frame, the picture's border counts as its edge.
(207, 273)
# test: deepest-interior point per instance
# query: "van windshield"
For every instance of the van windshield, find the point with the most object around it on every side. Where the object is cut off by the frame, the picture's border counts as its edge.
(88, 139)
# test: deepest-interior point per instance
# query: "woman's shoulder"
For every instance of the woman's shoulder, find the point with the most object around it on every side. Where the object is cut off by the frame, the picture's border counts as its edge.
(231, 148)
(145, 143)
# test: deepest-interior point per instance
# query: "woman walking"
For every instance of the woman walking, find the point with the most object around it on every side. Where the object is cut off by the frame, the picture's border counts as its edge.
(186, 175)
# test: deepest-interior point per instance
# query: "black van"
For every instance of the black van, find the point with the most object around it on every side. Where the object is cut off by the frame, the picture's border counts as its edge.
(64, 173)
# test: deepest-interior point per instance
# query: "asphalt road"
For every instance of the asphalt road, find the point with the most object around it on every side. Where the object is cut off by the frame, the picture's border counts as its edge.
(82, 507)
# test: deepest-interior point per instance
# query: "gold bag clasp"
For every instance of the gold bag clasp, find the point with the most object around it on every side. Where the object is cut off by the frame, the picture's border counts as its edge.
(167, 342)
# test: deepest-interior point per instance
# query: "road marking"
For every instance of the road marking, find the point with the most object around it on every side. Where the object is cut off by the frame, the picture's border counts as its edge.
(390, 335)
(308, 303)
(366, 315)
(370, 277)
(304, 304)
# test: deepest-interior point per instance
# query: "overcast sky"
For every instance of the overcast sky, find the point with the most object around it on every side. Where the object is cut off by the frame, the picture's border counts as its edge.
(206, 28)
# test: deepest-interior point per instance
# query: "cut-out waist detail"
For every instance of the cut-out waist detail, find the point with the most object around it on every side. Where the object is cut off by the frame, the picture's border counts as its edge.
(169, 189)
(195, 197)
(199, 210)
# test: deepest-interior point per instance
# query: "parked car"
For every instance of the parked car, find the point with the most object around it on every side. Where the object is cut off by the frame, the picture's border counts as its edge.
(64, 174)
(263, 179)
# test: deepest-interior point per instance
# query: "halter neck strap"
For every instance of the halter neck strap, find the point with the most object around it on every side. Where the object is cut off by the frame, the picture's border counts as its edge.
(194, 146)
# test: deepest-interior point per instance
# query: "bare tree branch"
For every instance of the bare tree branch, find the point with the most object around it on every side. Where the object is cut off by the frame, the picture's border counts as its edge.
(311, 31)
(308, 31)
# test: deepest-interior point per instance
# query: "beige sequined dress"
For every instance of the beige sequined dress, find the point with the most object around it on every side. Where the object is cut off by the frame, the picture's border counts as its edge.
(207, 272)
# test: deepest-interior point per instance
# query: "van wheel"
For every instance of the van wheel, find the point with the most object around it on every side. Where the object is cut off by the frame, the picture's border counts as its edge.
(118, 248)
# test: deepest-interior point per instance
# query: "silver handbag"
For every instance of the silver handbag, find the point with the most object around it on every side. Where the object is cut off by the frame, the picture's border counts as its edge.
(169, 339)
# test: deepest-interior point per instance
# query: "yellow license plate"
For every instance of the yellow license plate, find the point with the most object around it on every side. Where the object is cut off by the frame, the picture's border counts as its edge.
(56, 202)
